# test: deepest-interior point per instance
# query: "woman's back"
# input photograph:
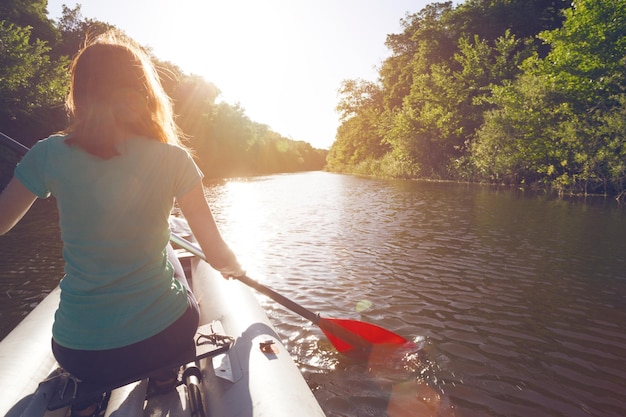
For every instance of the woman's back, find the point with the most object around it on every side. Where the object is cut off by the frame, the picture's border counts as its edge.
(113, 217)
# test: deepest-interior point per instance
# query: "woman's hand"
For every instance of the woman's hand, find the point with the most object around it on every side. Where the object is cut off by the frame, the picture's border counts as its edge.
(234, 271)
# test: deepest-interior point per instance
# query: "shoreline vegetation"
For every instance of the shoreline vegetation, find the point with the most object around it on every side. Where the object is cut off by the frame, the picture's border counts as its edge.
(526, 94)
(520, 93)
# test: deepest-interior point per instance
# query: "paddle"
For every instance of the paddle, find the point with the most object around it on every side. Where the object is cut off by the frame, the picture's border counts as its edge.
(9, 157)
(13, 144)
(349, 337)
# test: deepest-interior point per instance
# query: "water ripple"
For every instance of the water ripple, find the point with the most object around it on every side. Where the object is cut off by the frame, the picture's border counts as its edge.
(517, 303)
(511, 296)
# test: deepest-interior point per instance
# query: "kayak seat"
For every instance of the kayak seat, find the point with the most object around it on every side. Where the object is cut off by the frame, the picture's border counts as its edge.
(69, 389)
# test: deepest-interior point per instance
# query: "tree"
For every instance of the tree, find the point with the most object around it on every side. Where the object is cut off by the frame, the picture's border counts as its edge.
(437, 84)
(513, 145)
(30, 14)
(445, 104)
(588, 65)
(559, 122)
(29, 81)
(587, 57)
(524, 19)
(74, 29)
(359, 137)
(425, 39)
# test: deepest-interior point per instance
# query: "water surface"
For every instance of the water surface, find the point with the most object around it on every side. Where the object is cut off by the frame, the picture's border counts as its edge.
(516, 301)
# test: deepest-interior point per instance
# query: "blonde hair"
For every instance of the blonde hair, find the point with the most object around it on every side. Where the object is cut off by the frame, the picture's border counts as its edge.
(115, 91)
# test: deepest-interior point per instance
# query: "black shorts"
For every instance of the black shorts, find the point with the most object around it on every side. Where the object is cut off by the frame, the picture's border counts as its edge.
(111, 365)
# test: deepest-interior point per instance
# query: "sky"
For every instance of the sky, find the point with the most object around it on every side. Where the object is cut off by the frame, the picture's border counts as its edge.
(283, 61)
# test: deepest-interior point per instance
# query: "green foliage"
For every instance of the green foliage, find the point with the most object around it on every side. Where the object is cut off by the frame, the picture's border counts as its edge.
(490, 19)
(426, 39)
(559, 123)
(512, 145)
(435, 87)
(30, 14)
(588, 54)
(227, 143)
(445, 105)
(29, 80)
(510, 91)
(359, 137)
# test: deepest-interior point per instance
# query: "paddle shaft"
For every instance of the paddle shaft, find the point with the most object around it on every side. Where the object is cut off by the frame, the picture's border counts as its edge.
(13, 144)
(341, 333)
(280, 299)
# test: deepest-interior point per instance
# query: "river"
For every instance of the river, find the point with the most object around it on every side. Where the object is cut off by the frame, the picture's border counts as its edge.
(516, 301)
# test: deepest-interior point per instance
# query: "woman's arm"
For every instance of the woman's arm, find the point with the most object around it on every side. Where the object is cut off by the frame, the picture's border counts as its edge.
(15, 201)
(196, 210)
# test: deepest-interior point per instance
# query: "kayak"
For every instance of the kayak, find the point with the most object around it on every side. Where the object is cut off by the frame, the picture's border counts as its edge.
(252, 375)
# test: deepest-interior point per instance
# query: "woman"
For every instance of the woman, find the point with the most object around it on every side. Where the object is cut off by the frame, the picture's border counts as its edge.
(115, 173)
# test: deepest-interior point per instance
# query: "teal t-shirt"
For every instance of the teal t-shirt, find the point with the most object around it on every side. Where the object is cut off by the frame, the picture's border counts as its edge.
(118, 287)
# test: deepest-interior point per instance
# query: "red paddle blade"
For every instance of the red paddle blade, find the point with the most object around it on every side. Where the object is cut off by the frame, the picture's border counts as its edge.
(348, 335)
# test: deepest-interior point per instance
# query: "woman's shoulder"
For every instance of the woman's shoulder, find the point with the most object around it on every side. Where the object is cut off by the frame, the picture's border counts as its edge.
(54, 139)
(50, 143)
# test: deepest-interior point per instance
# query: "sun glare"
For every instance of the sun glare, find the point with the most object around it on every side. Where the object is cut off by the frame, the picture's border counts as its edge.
(251, 51)
(238, 45)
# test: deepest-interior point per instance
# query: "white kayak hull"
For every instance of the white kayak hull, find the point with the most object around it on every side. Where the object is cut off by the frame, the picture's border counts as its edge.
(256, 377)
